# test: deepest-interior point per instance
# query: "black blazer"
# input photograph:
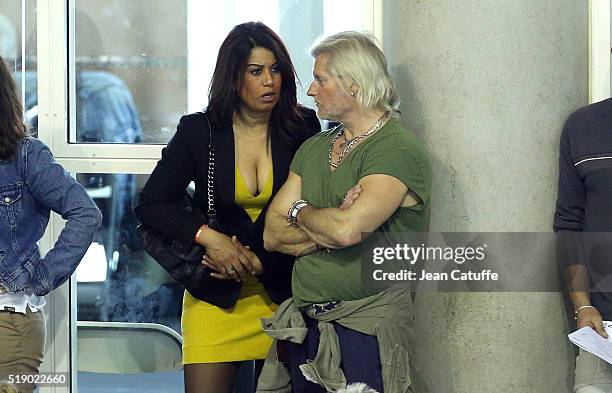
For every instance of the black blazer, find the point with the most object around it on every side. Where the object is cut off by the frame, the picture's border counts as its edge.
(185, 159)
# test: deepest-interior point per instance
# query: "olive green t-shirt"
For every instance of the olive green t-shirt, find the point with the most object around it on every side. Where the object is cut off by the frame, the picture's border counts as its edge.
(336, 275)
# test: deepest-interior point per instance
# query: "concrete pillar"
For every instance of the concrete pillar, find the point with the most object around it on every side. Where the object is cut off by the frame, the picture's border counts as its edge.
(487, 85)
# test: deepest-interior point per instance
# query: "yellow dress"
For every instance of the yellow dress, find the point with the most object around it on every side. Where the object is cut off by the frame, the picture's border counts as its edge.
(212, 334)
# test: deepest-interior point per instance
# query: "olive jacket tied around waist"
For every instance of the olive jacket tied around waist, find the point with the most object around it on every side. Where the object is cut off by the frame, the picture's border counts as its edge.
(387, 315)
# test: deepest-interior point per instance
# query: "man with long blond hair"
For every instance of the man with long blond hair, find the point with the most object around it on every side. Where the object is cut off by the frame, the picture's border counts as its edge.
(368, 174)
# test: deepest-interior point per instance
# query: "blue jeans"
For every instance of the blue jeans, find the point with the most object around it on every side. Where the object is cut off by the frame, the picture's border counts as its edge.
(360, 357)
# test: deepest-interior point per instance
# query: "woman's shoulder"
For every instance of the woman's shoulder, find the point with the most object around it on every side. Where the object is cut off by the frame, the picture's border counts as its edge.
(306, 112)
(193, 122)
(192, 127)
(32, 145)
(310, 118)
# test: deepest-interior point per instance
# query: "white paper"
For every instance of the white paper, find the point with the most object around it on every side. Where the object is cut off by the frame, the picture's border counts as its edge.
(589, 340)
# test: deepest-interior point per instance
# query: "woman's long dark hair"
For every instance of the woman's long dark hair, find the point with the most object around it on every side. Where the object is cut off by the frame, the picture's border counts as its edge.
(12, 128)
(286, 120)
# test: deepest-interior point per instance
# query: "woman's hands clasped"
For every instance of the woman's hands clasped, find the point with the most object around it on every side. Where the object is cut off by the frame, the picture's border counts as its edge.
(228, 258)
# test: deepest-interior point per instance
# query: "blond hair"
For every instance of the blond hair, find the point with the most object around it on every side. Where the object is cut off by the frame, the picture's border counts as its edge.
(355, 58)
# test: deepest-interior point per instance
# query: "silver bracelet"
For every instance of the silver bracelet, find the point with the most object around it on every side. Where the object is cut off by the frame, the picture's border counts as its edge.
(295, 208)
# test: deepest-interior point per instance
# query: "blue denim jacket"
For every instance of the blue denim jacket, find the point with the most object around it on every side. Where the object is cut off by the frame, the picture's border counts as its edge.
(31, 185)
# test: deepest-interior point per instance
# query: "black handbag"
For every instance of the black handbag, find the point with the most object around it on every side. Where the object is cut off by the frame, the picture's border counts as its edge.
(185, 266)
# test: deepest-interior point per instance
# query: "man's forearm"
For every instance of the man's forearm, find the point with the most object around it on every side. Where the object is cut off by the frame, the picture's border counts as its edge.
(292, 245)
(578, 285)
(327, 227)
(580, 299)
(300, 249)
(281, 236)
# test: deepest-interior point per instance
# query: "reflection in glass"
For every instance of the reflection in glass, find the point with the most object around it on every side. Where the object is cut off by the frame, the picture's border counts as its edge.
(131, 70)
(106, 111)
(139, 66)
(117, 280)
(18, 48)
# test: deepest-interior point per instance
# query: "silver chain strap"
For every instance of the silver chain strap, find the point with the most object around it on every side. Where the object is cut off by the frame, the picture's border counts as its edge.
(211, 173)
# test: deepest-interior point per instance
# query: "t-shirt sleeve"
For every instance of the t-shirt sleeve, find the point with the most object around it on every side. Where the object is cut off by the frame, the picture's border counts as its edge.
(407, 163)
(297, 164)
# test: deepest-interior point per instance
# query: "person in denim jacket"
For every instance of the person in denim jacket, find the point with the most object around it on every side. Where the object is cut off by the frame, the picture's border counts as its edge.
(31, 185)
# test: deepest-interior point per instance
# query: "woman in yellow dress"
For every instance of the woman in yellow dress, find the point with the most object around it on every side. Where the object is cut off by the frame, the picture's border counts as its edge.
(257, 125)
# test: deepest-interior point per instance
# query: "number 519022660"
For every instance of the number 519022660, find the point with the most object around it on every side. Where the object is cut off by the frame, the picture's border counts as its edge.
(42, 379)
